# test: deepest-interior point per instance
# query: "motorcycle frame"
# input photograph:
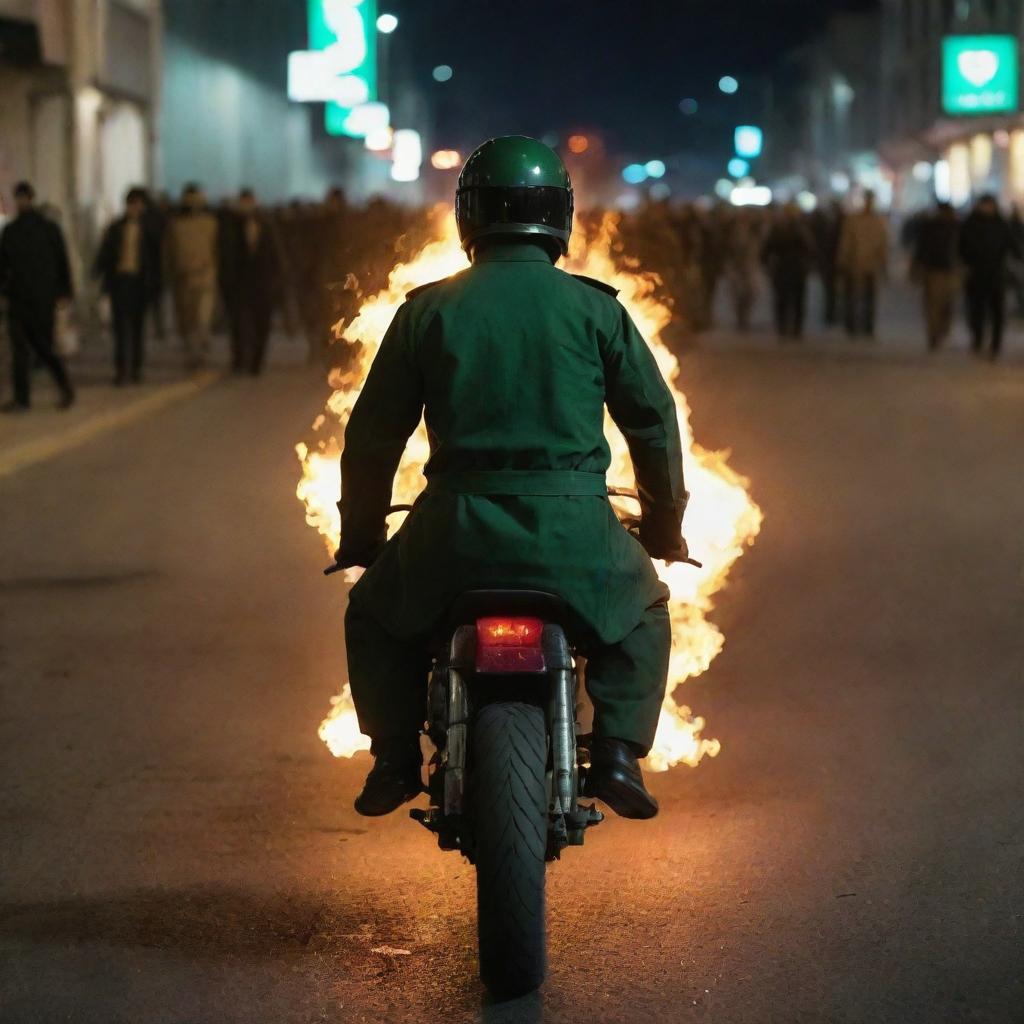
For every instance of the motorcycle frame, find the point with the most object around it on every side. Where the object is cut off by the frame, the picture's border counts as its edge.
(455, 691)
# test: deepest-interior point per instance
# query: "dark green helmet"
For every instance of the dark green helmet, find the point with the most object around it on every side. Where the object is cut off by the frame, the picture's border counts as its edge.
(515, 186)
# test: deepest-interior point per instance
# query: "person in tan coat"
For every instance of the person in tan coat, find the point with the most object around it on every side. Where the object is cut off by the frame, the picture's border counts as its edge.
(192, 265)
(862, 260)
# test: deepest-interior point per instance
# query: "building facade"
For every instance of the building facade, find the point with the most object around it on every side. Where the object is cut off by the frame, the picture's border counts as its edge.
(930, 146)
(79, 83)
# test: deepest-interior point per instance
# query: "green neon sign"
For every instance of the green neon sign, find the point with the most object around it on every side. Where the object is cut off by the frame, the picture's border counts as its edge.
(979, 74)
(348, 32)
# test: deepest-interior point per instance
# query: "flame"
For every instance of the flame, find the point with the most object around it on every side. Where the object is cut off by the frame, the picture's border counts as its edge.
(720, 522)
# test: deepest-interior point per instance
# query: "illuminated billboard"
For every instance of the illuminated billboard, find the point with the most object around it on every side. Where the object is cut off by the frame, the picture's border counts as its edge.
(340, 67)
(749, 141)
(980, 74)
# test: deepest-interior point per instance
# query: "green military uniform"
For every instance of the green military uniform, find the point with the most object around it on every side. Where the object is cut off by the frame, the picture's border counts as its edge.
(512, 363)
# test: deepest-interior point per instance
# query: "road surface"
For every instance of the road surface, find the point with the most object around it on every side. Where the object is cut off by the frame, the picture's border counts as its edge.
(177, 846)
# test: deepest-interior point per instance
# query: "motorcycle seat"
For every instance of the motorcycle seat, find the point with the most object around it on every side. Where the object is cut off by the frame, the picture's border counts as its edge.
(476, 604)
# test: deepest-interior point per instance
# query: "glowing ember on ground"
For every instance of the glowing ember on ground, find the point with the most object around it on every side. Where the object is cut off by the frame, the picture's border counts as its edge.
(720, 522)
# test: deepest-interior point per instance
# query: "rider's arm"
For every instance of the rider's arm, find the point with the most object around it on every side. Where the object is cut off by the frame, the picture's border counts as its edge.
(644, 410)
(384, 416)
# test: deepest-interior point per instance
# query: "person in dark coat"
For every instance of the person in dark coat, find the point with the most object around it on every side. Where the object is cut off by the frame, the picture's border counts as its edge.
(788, 254)
(936, 240)
(250, 279)
(986, 244)
(128, 263)
(827, 226)
(34, 277)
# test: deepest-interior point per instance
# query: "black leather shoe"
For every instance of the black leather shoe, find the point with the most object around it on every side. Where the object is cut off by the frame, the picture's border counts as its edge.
(394, 778)
(615, 778)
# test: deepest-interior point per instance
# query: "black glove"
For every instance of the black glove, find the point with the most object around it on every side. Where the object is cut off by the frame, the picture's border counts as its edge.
(664, 545)
(346, 558)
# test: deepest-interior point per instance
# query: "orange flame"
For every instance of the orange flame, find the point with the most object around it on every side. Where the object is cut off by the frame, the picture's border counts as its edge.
(720, 522)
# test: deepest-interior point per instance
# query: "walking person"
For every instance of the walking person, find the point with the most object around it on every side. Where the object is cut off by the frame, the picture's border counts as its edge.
(788, 254)
(741, 259)
(934, 265)
(192, 259)
(250, 279)
(34, 277)
(862, 260)
(128, 264)
(827, 225)
(987, 243)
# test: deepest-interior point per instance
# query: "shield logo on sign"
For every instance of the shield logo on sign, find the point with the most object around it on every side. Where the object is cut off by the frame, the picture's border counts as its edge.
(979, 67)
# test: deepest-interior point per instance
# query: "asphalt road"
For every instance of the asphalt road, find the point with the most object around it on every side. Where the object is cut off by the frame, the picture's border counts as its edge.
(177, 846)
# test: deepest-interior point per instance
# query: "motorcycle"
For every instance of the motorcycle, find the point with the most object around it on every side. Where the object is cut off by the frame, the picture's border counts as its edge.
(508, 774)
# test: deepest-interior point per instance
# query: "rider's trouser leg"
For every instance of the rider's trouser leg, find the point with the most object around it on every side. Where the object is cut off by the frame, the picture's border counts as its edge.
(388, 677)
(626, 681)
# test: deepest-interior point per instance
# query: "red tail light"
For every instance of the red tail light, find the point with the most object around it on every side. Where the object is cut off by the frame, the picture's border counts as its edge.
(509, 645)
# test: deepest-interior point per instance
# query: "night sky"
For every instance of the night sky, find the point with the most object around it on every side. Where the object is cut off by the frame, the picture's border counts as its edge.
(618, 69)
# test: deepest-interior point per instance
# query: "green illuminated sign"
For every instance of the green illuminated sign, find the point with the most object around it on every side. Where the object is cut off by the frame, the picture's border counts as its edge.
(346, 33)
(979, 74)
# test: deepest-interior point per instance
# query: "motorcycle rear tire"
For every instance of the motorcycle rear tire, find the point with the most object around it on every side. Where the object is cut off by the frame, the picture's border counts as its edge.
(509, 760)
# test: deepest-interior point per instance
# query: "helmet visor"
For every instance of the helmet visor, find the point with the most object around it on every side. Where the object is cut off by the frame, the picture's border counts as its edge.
(484, 206)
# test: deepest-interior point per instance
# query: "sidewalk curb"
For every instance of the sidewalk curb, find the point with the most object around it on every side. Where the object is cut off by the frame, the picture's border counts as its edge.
(42, 449)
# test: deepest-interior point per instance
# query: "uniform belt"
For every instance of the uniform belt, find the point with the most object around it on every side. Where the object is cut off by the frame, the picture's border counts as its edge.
(520, 482)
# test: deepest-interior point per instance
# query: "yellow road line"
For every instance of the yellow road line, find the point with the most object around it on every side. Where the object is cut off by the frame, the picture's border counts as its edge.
(42, 448)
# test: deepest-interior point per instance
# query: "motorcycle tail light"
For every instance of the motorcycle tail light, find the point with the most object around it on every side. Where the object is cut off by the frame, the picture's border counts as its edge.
(506, 645)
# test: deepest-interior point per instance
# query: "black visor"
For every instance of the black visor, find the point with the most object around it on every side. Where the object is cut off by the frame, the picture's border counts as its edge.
(536, 204)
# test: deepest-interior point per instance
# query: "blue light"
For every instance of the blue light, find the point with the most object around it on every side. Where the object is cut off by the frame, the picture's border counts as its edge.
(634, 174)
(738, 168)
(655, 168)
(749, 141)
(728, 84)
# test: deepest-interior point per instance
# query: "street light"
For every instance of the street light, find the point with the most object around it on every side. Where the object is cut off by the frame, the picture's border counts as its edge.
(728, 84)
(442, 73)
(655, 168)
(738, 168)
(387, 23)
(446, 159)
(634, 174)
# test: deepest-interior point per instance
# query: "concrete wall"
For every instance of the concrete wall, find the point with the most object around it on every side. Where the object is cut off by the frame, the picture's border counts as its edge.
(225, 118)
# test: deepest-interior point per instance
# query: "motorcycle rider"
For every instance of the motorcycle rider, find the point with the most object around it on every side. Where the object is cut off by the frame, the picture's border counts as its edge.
(512, 363)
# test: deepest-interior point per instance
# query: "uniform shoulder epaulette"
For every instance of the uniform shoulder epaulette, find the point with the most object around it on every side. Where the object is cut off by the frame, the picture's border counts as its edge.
(599, 285)
(413, 292)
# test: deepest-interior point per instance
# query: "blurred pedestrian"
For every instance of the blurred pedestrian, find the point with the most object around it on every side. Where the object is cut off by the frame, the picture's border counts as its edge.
(827, 226)
(251, 281)
(128, 264)
(34, 277)
(788, 254)
(741, 255)
(712, 238)
(934, 265)
(862, 260)
(192, 259)
(987, 243)
(1015, 272)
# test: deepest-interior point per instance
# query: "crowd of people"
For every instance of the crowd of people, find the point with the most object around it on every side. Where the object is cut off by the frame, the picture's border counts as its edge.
(237, 264)
(234, 266)
(699, 252)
